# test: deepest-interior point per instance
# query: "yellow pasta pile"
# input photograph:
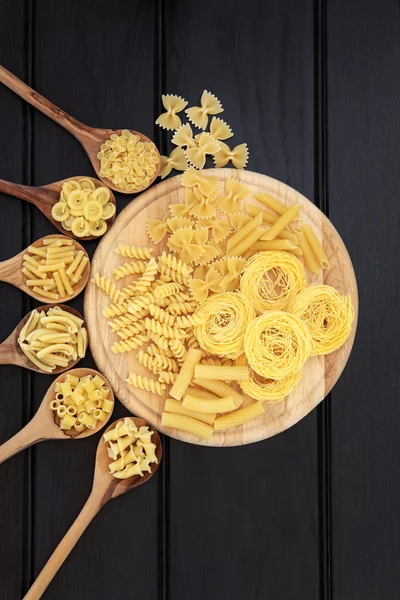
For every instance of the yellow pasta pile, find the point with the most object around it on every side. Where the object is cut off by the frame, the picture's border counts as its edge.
(193, 149)
(54, 268)
(130, 448)
(83, 209)
(81, 403)
(53, 338)
(221, 310)
(127, 161)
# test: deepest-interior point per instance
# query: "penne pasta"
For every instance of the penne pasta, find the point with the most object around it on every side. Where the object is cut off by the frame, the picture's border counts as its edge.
(243, 232)
(308, 256)
(289, 215)
(271, 202)
(316, 246)
(246, 243)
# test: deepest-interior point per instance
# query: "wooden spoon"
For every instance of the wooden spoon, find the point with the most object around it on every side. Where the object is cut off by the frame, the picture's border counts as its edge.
(11, 353)
(44, 197)
(91, 138)
(105, 488)
(11, 272)
(43, 426)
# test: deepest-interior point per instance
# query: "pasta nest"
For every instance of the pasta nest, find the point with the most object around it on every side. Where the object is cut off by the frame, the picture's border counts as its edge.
(270, 280)
(226, 316)
(277, 344)
(267, 390)
(328, 315)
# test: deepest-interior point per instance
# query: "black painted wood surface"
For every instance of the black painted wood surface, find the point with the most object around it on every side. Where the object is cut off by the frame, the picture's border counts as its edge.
(312, 87)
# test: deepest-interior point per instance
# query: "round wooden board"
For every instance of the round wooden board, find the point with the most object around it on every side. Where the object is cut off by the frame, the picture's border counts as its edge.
(320, 373)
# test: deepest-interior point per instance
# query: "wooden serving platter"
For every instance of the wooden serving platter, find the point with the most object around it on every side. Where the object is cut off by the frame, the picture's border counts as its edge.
(320, 373)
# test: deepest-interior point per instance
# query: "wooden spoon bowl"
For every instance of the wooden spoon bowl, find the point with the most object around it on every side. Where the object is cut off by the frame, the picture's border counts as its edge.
(11, 272)
(105, 487)
(46, 196)
(44, 426)
(11, 353)
(91, 138)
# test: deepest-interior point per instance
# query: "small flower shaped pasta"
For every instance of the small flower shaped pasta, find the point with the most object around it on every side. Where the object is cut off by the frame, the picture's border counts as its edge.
(238, 156)
(219, 129)
(207, 144)
(173, 105)
(176, 160)
(184, 137)
(235, 191)
(209, 105)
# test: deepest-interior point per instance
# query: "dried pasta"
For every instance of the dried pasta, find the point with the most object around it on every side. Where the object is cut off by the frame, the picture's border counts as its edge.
(238, 156)
(53, 339)
(235, 192)
(206, 144)
(270, 280)
(142, 253)
(173, 105)
(267, 390)
(219, 129)
(145, 383)
(327, 314)
(176, 160)
(81, 403)
(83, 208)
(209, 105)
(127, 161)
(131, 268)
(130, 449)
(53, 269)
(277, 344)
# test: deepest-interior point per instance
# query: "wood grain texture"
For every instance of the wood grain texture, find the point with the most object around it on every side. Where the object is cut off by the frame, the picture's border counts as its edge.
(320, 374)
(364, 175)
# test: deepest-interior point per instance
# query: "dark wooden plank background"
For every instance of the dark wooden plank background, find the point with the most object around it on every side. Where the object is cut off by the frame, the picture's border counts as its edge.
(312, 86)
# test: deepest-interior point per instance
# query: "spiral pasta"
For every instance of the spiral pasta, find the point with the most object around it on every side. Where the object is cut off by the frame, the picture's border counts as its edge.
(161, 315)
(141, 252)
(166, 290)
(114, 310)
(148, 361)
(174, 275)
(226, 316)
(270, 280)
(182, 308)
(162, 329)
(123, 321)
(147, 278)
(145, 383)
(155, 350)
(167, 377)
(130, 330)
(131, 268)
(109, 288)
(267, 390)
(184, 322)
(172, 262)
(178, 350)
(130, 344)
(277, 344)
(328, 315)
(167, 364)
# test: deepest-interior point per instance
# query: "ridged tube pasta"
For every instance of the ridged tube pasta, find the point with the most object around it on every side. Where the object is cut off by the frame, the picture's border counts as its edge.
(327, 314)
(270, 280)
(161, 315)
(131, 268)
(162, 329)
(205, 405)
(128, 345)
(277, 344)
(178, 350)
(188, 424)
(186, 373)
(238, 417)
(225, 317)
(174, 406)
(109, 288)
(142, 253)
(145, 383)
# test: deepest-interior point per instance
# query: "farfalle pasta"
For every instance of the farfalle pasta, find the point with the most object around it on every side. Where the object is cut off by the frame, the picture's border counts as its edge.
(205, 144)
(219, 129)
(183, 137)
(209, 105)
(176, 160)
(173, 105)
(238, 156)
(235, 191)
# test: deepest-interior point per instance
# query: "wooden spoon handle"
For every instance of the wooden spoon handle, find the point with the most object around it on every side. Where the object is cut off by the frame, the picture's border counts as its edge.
(10, 271)
(63, 549)
(29, 193)
(30, 434)
(41, 103)
(8, 353)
